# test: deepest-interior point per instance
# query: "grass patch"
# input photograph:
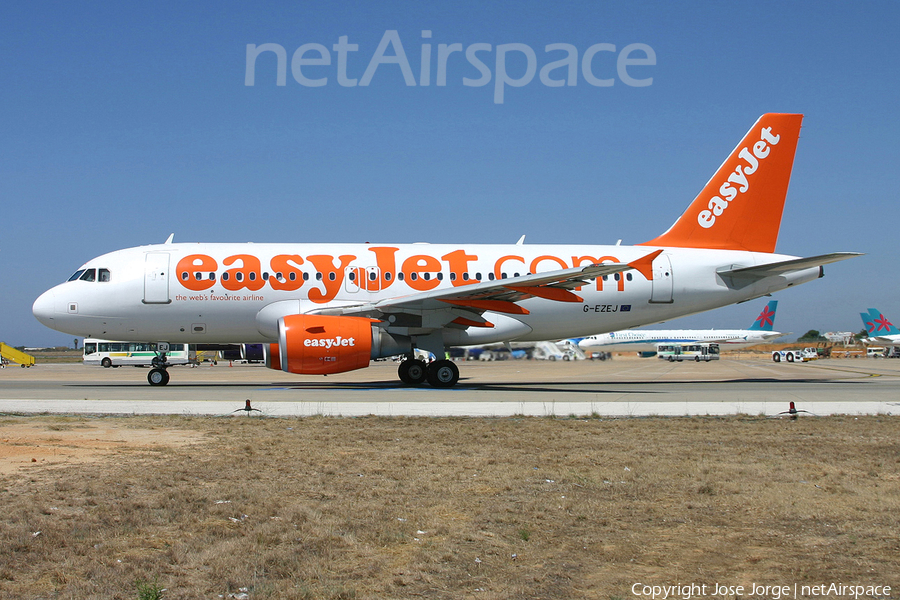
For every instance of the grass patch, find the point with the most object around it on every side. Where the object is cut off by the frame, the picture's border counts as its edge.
(440, 508)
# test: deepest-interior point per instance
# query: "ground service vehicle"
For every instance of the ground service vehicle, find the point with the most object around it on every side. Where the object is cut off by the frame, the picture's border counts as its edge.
(681, 352)
(804, 355)
(108, 353)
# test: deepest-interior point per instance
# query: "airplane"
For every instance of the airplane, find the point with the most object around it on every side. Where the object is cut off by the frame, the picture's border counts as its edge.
(881, 331)
(646, 340)
(331, 308)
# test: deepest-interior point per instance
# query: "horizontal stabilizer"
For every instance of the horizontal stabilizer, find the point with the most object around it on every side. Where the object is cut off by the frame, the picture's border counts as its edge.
(785, 266)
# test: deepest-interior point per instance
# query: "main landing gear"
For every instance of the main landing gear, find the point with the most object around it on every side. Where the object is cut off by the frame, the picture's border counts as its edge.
(440, 373)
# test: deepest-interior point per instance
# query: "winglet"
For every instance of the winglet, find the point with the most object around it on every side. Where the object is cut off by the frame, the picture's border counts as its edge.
(740, 207)
(644, 265)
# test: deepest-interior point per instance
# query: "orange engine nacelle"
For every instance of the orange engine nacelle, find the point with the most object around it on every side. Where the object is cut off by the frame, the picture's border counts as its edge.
(320, 345)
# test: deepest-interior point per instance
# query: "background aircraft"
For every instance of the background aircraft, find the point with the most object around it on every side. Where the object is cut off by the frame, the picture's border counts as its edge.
(881, 331)
(646, 340)
(330, 308)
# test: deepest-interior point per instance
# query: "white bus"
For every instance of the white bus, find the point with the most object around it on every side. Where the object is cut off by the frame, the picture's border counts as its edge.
(690, 351)
(107, 353)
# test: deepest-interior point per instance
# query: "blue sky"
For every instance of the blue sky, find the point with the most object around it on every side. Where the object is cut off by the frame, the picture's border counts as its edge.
(124, 122)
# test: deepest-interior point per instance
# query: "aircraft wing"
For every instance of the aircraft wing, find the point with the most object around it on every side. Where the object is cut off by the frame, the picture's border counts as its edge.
(738, 277)
(463, 305)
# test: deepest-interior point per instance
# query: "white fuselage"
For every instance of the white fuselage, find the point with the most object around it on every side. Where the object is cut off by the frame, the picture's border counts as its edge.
(883, 340)
(227, 293)
(647, 340)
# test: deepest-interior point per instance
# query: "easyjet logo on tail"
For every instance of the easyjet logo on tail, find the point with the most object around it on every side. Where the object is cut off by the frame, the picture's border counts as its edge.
(740, 177)
(740, 207)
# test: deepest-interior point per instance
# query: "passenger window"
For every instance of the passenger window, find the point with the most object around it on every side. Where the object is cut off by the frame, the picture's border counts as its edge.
(89, 275)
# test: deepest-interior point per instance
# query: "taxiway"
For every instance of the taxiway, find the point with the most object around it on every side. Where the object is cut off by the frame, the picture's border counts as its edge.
(621, 387)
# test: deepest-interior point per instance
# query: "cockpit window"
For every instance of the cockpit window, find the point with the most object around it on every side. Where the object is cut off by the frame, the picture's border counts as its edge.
(75, 276)
(104, 274)
(89, 275)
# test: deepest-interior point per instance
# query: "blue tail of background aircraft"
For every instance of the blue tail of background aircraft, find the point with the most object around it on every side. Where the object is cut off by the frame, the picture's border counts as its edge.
(766, 319)
(877, 323)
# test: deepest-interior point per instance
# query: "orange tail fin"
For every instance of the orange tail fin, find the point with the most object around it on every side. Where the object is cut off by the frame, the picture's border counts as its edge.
(740, 207)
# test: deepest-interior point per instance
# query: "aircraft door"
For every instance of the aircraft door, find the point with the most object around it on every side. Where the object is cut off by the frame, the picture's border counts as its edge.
(156, 278)
(362, 279)
(662, 280)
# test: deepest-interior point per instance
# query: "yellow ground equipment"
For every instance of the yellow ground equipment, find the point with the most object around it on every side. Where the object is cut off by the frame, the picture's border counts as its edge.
(8, 353)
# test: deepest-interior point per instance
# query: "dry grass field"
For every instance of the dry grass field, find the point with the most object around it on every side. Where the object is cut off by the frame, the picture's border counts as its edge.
(261, 508)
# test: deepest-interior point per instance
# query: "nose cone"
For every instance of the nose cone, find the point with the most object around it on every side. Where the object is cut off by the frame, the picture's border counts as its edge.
(44, 308)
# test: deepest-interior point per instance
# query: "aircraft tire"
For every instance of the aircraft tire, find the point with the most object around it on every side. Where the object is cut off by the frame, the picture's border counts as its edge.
(412, 372)
(443, 374)
(158, 377)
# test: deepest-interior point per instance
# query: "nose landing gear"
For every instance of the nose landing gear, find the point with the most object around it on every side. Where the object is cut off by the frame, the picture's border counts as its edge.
(159, 375)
